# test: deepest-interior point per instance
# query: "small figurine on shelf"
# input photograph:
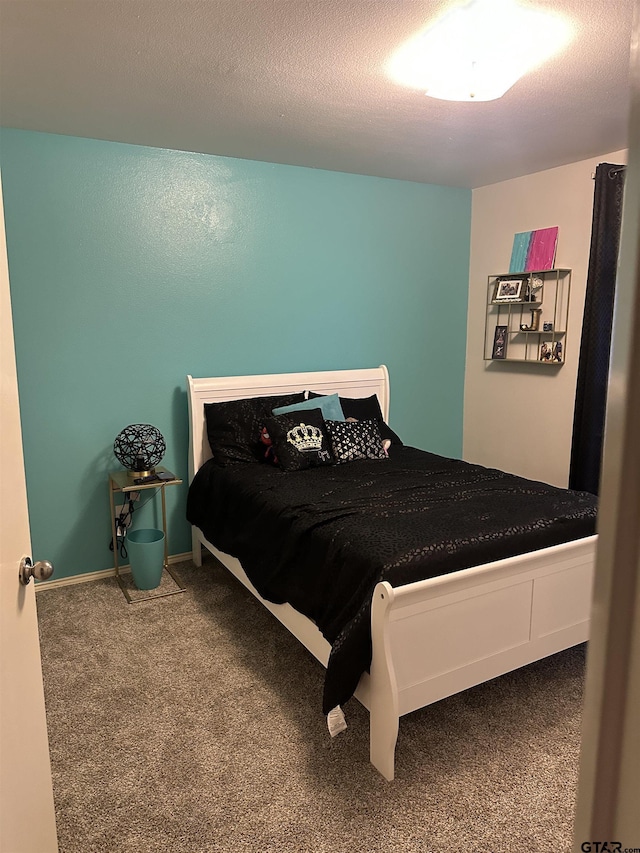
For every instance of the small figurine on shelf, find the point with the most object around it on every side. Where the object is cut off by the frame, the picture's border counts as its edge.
(533, 286)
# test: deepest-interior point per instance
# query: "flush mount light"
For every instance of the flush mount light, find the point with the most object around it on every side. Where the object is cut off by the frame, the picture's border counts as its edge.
(477, 51)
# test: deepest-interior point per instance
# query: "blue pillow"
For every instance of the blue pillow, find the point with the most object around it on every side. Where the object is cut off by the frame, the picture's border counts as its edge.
(329, 406)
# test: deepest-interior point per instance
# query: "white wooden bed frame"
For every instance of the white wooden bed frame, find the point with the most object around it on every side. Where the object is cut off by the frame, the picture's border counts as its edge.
(436, 637)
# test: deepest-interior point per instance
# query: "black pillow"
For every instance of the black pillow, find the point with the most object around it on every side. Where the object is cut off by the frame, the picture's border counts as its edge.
(365, 409)
(362, 408)
(233, 426)
(300, 439)
(351, 440)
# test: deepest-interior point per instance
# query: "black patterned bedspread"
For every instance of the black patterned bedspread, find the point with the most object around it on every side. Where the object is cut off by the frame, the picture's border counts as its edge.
(322, 538)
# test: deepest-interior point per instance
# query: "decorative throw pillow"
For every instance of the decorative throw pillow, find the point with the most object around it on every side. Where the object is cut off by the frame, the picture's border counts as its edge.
(233, 426)
(353, 440)
(329, 405)
(300, 439)
(364, 409)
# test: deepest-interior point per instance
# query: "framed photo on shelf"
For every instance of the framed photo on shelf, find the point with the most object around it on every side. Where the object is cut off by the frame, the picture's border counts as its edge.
(509, 290)
(551, 352)
(499, 342)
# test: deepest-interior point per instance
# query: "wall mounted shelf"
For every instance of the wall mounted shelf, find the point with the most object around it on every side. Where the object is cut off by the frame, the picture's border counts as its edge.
(527, 316)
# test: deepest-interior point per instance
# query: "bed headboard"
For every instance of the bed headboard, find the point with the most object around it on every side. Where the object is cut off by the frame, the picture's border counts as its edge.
(347, 383)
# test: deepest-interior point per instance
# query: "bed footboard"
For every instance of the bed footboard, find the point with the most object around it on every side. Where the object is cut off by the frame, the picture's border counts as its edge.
(438, 637)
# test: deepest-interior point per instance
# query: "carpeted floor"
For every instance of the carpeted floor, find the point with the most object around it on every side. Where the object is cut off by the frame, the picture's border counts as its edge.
(192, 724)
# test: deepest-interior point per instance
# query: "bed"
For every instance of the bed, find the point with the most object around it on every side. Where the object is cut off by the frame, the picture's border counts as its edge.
(428, 638)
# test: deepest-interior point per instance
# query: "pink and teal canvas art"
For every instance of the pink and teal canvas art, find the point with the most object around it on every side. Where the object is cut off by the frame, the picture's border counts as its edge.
(534, 250)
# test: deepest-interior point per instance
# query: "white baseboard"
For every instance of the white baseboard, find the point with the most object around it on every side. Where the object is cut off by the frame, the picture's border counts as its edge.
(85, 577)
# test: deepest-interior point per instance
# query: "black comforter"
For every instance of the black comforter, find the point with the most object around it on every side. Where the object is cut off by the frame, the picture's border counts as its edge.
(322, 538)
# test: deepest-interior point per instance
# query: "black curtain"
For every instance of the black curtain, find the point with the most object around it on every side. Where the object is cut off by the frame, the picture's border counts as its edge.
(595, 345)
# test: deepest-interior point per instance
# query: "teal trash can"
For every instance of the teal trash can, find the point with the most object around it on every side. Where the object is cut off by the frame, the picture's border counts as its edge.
(145, 548)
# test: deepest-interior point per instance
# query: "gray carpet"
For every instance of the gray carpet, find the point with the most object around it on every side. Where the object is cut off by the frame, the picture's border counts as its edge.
(192, 724)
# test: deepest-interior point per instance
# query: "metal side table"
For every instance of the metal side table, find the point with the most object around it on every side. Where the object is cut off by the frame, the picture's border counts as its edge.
(120, 481)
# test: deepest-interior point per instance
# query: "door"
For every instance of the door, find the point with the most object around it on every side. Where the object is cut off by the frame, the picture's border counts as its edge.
(27, 818)
(609, 782)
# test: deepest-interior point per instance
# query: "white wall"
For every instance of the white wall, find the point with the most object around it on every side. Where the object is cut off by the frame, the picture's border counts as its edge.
(519, 417)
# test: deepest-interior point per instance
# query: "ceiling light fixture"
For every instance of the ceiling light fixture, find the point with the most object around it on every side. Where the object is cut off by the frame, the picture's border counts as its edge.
(477, 51)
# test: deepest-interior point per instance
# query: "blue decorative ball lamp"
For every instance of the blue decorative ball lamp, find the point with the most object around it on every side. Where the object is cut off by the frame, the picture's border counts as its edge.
(139, 447)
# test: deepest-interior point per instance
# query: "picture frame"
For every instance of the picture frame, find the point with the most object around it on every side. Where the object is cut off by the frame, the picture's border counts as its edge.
(546, 351)
(509, 290)
(500, 342)
(551, 352)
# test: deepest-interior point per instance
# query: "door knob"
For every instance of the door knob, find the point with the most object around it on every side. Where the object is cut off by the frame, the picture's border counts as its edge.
(42, 570)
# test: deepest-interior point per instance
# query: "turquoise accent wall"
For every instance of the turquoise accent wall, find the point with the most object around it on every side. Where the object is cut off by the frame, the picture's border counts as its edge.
(131, 267)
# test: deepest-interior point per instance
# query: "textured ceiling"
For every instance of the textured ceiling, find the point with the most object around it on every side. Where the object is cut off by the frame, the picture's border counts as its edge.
(303, 82)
